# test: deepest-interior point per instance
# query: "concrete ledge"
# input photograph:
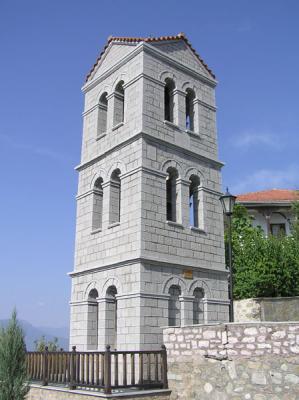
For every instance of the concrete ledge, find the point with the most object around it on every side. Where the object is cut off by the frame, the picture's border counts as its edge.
(39, 392)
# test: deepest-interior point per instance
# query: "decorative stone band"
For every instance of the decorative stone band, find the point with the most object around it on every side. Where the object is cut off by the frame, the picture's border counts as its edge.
(147, 136)
(216, 301)
(146, 260)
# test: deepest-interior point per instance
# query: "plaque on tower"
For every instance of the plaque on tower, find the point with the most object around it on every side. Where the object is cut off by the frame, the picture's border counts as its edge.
(188, 274)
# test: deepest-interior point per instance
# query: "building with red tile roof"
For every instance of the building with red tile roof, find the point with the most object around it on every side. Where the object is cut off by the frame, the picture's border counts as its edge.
(271, 209)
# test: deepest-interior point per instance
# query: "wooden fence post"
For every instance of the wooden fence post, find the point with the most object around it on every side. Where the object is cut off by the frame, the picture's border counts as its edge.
(45, 367)
(107, 370)
(164, 366)
(73, 369)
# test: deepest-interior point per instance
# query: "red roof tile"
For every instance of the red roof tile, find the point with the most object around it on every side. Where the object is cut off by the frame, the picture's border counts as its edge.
(268, 196)
(180, 36)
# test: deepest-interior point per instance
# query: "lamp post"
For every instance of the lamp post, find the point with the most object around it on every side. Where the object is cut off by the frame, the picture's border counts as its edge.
(228, 202)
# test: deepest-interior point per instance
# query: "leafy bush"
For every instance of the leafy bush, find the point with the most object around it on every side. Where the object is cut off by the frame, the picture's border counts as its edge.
(263, 267)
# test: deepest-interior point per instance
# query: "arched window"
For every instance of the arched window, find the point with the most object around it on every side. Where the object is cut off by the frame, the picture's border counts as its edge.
(97, 207)
(115, 197)
(92, 320)
(190, 96)
(194, 201)
(102, 116)
(174, 306)
(171, 194)
(198, 314)
(168, 100)
(111, 316)
(119, 104)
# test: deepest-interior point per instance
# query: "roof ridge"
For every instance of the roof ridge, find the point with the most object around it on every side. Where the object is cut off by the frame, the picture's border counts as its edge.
(268, 190)
(128, 39)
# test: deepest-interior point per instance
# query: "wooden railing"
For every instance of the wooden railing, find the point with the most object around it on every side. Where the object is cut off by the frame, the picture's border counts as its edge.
(105, 370)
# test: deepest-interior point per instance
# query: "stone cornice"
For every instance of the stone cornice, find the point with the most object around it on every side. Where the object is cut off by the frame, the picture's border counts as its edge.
(204, 104)
(211, 161)
(144, 260)
(211, 191)
(215, 301)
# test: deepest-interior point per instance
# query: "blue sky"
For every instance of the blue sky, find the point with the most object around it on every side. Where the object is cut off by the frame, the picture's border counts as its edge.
(47, 47)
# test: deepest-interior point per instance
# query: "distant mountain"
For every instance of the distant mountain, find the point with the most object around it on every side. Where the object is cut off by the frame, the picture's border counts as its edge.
(33, 333)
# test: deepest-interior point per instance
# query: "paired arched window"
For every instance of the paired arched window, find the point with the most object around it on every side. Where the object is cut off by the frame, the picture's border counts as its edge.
(111, 316)
(171, 194)
(115, 197)
(194, 201)
(190, 96)
(97, 207)
(102, 115)
(92, 320)
(169, 100)
(198, 312)
(119, 104)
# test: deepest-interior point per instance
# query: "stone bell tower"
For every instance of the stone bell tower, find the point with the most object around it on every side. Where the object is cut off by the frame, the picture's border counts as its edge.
(149, 234)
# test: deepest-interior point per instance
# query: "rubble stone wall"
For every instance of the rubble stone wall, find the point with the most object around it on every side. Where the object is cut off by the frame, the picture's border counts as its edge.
(257, 361)
(267, 309)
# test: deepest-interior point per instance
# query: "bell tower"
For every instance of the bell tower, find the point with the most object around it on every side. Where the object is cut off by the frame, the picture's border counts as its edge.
(149, 233)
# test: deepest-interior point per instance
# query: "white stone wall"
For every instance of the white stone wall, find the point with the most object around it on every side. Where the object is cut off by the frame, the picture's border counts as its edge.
(143, 254)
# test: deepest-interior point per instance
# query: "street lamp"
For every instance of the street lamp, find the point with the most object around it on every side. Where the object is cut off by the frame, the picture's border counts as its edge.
(228, 202)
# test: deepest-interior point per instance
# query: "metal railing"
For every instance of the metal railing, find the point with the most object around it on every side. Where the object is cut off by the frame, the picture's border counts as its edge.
(107, 370)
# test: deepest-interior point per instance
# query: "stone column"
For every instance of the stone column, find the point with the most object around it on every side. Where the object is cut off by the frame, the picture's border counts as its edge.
(101, 323)
(106, 204)
(110, 111)
(186, 310)
(183, 201)
(179, 112)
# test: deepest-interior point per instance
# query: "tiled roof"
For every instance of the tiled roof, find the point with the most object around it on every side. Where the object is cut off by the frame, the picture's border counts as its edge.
(268, 196)
(180, 36)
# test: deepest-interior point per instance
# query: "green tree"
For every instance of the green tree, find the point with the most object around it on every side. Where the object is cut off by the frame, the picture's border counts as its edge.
(295, 223)
(262, 267)
(13, 376)
(42, 343)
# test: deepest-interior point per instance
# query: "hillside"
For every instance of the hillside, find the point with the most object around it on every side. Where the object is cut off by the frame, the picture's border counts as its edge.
(33, 333)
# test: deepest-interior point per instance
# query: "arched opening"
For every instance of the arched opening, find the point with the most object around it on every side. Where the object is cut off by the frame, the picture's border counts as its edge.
(111, 316)
(97, 207)
(198, 312)
(102, 116)
(92, 320)
(168, 99)
(119, 103)
(190, 96)
(171, 194)
(194, 201)
(174, 306)
(115, 196)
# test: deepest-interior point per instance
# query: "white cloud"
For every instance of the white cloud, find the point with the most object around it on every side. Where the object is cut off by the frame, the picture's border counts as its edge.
(251, 139)
(287, 178)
